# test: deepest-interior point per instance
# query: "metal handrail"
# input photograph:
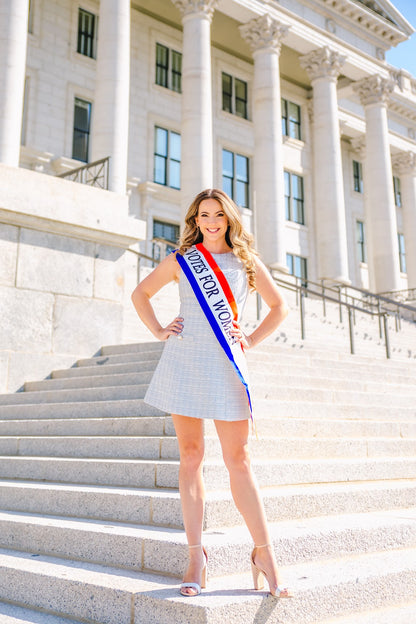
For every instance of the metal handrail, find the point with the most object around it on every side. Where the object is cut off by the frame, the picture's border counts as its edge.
(304, 291)
(92, 174)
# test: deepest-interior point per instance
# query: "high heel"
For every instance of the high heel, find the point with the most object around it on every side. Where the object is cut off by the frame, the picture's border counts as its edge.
(259, 576)
(196, 586)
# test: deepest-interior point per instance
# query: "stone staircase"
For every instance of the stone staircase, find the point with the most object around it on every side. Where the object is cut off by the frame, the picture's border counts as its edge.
(90, 520)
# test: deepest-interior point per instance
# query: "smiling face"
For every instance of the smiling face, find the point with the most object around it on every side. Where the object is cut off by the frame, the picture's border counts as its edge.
(211, 220)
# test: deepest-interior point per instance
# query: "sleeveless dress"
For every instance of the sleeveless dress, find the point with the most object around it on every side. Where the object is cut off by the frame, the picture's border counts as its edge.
(194, 376)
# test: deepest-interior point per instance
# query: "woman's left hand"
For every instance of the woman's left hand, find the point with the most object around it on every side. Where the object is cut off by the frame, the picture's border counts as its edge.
(238, 333)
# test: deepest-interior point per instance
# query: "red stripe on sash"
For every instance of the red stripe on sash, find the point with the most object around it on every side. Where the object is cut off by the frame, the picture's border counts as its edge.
(221, 278)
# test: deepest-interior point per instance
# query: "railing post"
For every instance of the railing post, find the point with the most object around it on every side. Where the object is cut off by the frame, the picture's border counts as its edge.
(380, 327)
(258, 305)
(302, 314)
(386, 334)
(323, 298)
(351, 328)
(340, 304)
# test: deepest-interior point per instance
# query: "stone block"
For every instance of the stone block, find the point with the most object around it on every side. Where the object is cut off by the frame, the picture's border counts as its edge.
(8, 254)
(52, 263)
(26, 320)
(109, 268)
(83, 325)
(25, 366)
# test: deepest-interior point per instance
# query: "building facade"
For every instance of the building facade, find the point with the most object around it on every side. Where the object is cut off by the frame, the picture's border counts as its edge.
(288, 105)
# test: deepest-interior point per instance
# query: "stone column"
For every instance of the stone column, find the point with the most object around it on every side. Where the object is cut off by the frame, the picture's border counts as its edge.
(323, 67)
(379, 206)
(406, 167)
(13, 43)
(264, 36)
(196, 126)
(110, 124)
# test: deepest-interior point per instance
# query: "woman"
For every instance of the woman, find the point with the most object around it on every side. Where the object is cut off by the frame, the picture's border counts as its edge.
(195, 379)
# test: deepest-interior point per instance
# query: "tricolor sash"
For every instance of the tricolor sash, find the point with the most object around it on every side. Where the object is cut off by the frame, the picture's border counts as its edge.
(217, 301)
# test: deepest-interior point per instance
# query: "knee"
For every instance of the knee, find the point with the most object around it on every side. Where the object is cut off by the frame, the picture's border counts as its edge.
(191, 455)
(238, 460)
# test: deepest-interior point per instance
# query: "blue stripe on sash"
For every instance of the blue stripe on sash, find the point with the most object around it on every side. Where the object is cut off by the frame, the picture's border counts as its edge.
(212, 321)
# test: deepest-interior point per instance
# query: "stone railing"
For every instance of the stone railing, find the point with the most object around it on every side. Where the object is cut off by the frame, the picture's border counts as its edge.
(93, 174)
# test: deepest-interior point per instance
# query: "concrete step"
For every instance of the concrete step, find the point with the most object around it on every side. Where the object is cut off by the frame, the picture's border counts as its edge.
(108, 369)
(264, 407)
(146, 549)
(148, 473)
(79, 409)
(166, 447)
(276, 378)
(107, 393)
(107, 595)
(12, 614)
(163, 425)
(161, 507)
(397, 614)
(95, 381)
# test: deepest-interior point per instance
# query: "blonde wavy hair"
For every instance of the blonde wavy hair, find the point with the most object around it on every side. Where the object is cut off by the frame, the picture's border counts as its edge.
(236, 236)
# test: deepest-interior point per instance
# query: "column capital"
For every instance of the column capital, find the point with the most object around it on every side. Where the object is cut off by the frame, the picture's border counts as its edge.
(322, 63)
(405, 163)
(264, 33)
(374, 90)
(190, 7)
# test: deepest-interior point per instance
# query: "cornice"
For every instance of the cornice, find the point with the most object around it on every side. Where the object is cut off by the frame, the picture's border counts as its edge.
(370, 21)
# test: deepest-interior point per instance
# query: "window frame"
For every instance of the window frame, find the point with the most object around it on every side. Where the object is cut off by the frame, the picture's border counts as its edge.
(292, 209)
(168, 158)
(303, 263)
(402, 252)
(357, 174)
(397, 189)
(360, 240)
(82, 131)
(288, 124)
(86, 40)
(235, 180)
(238, 106)
(172, 77)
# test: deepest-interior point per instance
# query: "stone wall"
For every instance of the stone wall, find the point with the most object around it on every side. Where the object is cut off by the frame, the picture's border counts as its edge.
(66, 272)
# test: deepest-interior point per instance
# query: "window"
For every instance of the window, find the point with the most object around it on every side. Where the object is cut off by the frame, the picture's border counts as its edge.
(82, 124)
(168, 68)
(294, 198)
(361, 242)
(298, 266)
(167, 232)
(234, 95)
(397, 192)
(30, 18)
(402, 253)
(235, 177)
(87, 23)
(358, 176)
(167, 158)
(291, 120)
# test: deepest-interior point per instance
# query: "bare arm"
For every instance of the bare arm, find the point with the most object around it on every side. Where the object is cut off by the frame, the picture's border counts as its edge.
(165, 272)
(279, 310)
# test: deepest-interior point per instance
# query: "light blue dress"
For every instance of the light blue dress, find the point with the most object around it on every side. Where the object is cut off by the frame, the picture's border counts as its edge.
(194, 376)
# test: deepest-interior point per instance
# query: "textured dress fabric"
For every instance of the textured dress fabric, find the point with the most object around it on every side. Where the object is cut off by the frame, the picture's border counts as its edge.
(194, 376)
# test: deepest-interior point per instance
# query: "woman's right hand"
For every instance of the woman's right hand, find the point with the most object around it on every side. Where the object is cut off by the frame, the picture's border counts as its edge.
(173, 329)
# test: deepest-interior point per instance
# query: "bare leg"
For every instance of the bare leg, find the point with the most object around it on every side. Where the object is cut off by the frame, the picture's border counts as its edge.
(234, 443)
(190, 434)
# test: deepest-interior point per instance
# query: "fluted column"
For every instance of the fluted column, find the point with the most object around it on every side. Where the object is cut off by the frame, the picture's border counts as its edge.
(323, 67)
(264, 35)
(110, 128)
(379, 206)
(13, 43)
(196, 126)
(406, 166)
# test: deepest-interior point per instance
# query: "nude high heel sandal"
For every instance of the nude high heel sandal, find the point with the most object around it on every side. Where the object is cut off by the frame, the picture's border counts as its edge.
(259, 576)
(196, 587)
